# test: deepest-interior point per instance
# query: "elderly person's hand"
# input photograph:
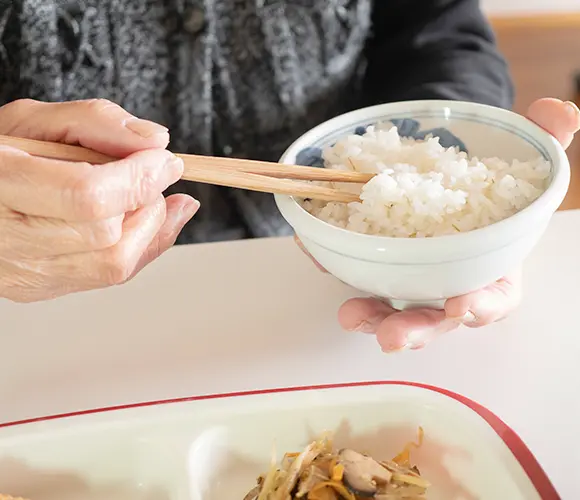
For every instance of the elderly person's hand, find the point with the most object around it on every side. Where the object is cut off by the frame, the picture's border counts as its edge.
(413, 329)
(68, 227)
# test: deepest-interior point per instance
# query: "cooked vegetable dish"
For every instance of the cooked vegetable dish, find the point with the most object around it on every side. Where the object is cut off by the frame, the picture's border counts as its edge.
(320, 472)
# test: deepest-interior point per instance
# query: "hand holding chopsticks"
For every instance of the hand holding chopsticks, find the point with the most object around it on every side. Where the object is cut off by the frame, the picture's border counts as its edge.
(231, 172)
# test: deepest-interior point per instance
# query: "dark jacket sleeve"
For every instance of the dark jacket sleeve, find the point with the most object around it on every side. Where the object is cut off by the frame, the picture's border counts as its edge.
(434, 49)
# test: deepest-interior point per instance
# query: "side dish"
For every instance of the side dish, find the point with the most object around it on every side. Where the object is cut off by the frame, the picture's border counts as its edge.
(320, 472)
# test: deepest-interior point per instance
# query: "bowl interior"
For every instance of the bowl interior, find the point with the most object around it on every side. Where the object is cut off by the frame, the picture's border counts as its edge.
(478, 135)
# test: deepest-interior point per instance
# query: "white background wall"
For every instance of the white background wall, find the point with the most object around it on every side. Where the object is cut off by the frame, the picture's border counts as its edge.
(529, 6)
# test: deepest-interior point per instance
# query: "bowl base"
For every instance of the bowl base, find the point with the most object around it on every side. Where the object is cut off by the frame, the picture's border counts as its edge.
(402, 305)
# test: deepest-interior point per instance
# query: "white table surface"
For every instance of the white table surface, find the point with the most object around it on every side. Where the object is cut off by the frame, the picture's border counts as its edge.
(256, 314)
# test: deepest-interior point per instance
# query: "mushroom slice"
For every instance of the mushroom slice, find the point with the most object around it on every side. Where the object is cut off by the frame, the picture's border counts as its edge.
(313, 476)
(298, 466)
(362, 475)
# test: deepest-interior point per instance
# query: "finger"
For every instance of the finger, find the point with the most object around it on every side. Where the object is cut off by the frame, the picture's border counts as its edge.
(114, 265)
(488, 305)
(83, 192)
(117, 264)
(29, 237)
(180, 209)
(363, 315)
(95, 124)
(561, 119)
(54, 277)
(308, 254)
(412, 329)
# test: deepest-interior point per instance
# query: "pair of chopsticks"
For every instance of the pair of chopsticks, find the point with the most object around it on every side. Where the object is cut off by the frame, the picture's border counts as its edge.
(253, 175)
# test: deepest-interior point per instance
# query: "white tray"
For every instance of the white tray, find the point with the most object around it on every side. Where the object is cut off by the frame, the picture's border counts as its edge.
(140, 451)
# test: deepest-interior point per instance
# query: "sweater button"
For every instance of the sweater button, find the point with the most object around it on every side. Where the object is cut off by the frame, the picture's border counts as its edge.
(194, 20)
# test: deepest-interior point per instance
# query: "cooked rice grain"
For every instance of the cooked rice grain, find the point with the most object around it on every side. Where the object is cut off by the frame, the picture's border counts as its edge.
(423, 189)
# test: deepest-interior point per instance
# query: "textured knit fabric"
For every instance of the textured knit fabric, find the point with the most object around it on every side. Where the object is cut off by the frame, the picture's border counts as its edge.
(245, 78)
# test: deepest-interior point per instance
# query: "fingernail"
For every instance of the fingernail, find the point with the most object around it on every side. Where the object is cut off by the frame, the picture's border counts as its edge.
(364, 327)
(468, 317)
(418, 337)
(185, 213)
(188, 210)
(369, 325)
(172, 170)
(573, 109)
(174, 163)
(145, 128)
(393, 348)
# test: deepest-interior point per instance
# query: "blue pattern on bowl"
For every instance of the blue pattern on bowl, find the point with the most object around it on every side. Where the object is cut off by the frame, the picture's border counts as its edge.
(412, 128)
(312, 156)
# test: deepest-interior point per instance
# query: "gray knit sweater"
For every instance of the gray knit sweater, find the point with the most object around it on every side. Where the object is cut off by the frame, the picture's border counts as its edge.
(246, 77)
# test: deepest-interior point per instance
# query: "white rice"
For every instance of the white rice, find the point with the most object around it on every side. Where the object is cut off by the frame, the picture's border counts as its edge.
(423, 189)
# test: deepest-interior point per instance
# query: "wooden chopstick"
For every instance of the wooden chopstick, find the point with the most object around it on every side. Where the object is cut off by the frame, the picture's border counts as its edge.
(231, 172)
(277, 170)
(265, 184)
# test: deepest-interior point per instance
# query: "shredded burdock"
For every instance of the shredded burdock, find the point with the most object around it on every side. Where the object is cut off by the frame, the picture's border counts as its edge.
(320, 472)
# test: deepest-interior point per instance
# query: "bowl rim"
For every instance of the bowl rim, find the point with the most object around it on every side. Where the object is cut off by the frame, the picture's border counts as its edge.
(547, 202)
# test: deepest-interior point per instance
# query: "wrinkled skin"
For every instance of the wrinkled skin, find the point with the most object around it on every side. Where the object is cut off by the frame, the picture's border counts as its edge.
(413, 329)
(69, 227)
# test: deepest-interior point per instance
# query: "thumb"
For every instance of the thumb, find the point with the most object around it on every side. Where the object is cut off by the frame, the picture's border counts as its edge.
(489, 304)
(561, 119)
(96, 124)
